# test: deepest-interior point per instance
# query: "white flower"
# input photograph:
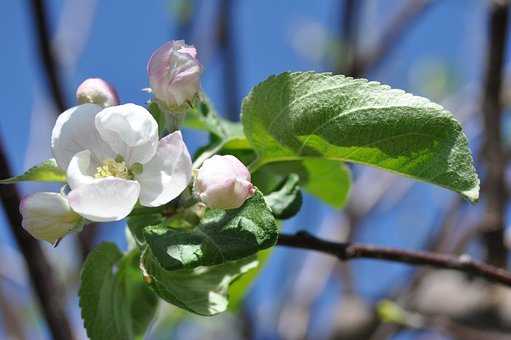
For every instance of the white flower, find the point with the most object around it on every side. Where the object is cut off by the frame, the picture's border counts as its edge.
(223, 182)
(96, 91)
(113, 159)
(48, 216)
(174, 73)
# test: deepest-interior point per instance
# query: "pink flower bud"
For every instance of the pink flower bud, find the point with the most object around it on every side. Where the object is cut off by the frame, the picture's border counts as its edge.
(223, 182)
(97, 91)
(174, 73)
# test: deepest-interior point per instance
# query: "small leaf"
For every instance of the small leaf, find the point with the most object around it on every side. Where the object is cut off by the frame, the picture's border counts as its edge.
(201, 290)
(286, 201)
(114, 300)
(47, 171)
(225, 132)
(307, 115)
(328, 180)
(221, 236)
(137, 223)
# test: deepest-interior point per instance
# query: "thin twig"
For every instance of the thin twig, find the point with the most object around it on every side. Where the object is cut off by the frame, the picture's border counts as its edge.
(347, 251)
(493, 149)
(42, 276)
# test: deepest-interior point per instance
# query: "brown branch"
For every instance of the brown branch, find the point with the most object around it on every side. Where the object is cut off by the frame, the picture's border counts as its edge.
(493, 149)
(347, 251)
(42, 276)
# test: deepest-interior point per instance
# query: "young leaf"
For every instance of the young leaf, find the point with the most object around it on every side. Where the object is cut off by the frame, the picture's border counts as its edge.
(224, 132)
(296, 116)
(286, 201)
(221, 236)
(114, 300)
(47, 171)
(327, 179)
(201, 290)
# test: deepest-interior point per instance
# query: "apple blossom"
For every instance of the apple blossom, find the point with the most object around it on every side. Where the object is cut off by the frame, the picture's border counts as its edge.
(113, 159)
(97, 91)
(223, 182)
(174, 73)
(48, 216)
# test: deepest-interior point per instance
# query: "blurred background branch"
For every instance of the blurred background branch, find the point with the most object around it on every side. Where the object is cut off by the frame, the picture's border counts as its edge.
(53, 74)
(494, 184)
(42, 276)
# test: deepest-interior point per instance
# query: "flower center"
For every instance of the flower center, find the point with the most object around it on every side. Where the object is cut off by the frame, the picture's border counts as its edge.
(113, 168)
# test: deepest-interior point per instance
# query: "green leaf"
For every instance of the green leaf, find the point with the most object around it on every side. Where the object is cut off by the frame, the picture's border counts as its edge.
(114, 300)
(221, 236)
(227, 133)
(201, 290)
(296, 116)
(137, 223)
(329, 180)
(286, 201)
(47, 171)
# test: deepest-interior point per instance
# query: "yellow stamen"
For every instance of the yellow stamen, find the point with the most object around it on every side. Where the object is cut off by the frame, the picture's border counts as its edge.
(112, 168)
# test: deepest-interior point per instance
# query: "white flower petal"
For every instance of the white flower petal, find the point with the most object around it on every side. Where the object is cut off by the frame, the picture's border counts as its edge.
(105, 199)
(130, 130)
(81, 169)
(75, 131)
(166, 175)
(47, 216)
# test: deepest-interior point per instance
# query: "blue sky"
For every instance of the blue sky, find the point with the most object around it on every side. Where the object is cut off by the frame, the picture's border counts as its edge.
(271, 37)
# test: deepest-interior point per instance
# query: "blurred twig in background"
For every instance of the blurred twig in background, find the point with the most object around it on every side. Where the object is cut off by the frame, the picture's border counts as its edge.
(48, 61)
(52, 71)
(493, 150)
(398, 28)
(227, 47)
(42, 276)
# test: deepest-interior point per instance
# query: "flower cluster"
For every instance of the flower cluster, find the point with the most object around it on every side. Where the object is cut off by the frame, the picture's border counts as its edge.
(114, 159)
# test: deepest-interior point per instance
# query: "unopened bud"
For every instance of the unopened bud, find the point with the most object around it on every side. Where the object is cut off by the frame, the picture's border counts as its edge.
(174, 74)
(48, 216)
(97, 91)
(223, 182)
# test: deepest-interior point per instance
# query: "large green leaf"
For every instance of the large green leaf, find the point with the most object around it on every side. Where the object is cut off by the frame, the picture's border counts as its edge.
(114, 300)
(221, 235)
(307, 115)
(47, 171)
(201, 290)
